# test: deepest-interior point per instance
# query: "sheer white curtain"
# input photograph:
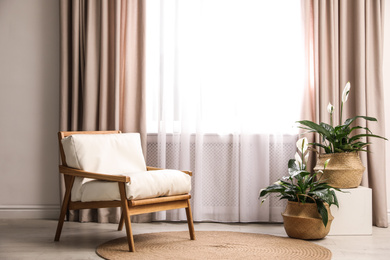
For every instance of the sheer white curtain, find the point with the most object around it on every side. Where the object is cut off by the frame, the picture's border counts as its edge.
(224, 84)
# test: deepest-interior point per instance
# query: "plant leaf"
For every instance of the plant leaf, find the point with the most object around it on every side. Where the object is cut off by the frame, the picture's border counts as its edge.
(360, 127)
(323, 212)
(350, 120)
(317, 128)
(356, 137)
(275, 188)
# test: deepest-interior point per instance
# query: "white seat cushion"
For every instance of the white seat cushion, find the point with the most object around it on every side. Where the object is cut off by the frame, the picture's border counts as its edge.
(148, 184)
(118, 154)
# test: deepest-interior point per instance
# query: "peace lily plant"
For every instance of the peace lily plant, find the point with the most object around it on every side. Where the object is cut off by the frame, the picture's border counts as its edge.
(340, 138)
(301, 185)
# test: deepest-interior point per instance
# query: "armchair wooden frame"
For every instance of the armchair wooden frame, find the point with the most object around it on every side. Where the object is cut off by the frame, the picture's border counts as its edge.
(129, 207)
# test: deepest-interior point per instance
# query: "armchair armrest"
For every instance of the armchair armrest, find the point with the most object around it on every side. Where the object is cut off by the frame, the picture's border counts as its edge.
(150, 168)
(92, 175)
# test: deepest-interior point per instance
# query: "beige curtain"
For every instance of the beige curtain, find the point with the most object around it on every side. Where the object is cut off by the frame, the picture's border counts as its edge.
(102, 54)
(344, 41)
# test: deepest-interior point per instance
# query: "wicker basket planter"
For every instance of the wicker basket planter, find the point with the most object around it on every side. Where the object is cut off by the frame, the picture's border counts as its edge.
(304, 222)
(344, 171)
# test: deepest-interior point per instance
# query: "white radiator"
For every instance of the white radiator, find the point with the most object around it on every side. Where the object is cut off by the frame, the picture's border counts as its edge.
(220, 162)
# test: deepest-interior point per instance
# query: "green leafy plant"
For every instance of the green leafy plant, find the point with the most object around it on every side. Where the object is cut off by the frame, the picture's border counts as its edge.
(340, 138)
(303, 186)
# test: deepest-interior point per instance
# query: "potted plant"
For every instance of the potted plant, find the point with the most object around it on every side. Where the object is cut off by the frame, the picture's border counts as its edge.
(342, 144)
(307, 214)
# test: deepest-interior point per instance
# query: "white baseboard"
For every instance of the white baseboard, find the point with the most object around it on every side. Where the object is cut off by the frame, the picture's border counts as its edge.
(44, 211)
(29, 211)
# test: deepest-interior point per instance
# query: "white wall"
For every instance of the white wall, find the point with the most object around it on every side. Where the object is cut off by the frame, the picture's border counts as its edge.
(29, 108)
(386, 84)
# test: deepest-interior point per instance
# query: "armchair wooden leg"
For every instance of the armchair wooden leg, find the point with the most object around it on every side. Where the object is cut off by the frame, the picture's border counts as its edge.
(68, 187)
(190, 221)
(120, 226)
(126, 216)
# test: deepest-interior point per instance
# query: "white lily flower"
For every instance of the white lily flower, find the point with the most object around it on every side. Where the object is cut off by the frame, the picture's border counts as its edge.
(326, 163)
(330, 108)
(302, 145)
(278, 183)
(297, 164)
(346, 92)
(298, 160)
(306, 158)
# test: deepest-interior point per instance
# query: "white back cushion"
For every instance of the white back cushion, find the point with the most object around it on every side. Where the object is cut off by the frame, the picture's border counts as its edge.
(118, 154)
(104, 153)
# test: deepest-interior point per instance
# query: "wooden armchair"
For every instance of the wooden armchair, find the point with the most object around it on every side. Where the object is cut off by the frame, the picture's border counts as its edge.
(99, 172)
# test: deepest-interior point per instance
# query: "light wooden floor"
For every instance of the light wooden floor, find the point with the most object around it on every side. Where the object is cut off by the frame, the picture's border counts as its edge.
(33, 239)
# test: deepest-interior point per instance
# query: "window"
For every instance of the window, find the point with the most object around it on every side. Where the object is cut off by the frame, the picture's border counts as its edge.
(223, 66)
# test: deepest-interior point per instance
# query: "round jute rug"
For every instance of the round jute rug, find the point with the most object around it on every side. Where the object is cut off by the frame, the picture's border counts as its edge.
(212, 245)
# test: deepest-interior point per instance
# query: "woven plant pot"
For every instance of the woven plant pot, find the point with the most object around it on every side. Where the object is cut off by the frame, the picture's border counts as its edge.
(344, 170)
(302, 220)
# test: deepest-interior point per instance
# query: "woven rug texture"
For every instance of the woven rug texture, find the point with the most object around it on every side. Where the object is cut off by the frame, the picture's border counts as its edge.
(212, 245)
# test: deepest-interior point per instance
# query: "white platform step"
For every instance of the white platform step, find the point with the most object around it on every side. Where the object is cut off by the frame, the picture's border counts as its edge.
(354, 216)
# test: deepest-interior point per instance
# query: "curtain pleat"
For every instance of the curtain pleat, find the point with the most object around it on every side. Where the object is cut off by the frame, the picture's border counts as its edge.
(344, 42)
(102, 74)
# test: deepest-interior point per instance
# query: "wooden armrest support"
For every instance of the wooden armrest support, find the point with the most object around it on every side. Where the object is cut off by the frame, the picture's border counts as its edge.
(92, 175)
(140, 202)
(150, 168)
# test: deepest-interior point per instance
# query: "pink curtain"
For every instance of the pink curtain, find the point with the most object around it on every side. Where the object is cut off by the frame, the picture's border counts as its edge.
(102, 88)
(344, 42)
